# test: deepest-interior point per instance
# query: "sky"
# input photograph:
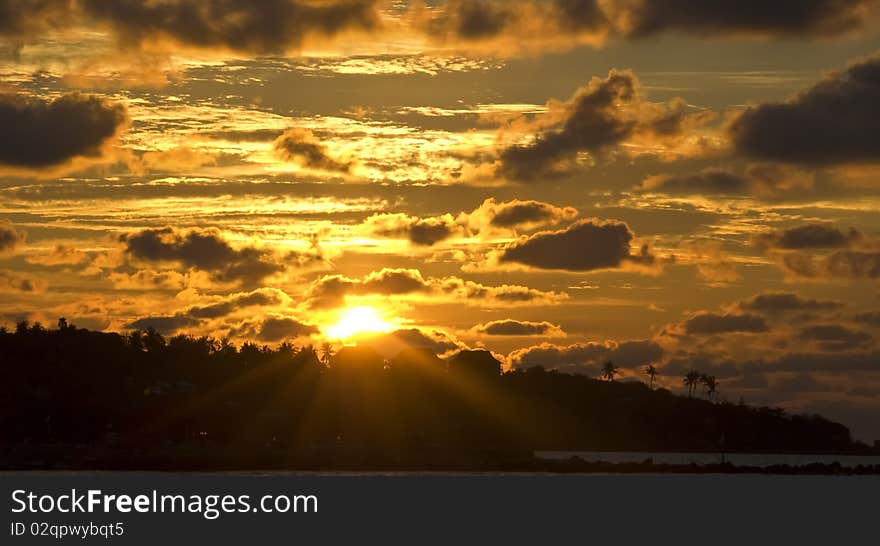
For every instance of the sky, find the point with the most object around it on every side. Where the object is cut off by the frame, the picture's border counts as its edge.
(561, 182)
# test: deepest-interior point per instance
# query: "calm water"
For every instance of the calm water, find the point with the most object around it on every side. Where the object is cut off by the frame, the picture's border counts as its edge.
(738, 459)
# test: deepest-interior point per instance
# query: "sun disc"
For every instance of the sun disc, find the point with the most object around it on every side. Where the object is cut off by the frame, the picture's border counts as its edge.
(359, 320)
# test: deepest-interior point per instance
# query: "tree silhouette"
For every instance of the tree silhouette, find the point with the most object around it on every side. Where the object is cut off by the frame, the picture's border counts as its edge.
(326, 353)
(138, 401)
(691, 380)
(651, 372)
(711, 386)
(609, 370)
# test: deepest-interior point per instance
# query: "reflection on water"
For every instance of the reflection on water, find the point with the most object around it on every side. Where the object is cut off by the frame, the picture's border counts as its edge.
(737, 459)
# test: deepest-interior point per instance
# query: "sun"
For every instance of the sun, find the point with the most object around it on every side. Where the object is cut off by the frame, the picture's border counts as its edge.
(359, 320)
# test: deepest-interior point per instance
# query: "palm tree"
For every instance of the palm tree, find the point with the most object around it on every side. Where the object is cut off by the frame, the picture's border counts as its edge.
(691, 380)
(711, 386)
(652, 373)
(326, 353)
(609, 370)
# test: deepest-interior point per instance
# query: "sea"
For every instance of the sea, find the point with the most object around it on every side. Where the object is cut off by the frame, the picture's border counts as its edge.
(737, 459)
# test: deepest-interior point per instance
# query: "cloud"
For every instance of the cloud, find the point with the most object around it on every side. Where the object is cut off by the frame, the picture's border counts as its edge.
(489, 219)
(149, 279)
(505, 27)
(870, 318)
(303, 148)
(600, 116)
(419, 231)
(22, 21)
(510, 327)
(761, 180)
(522, 214)
(60, 134)
(713, 323)
(749, 17)
(842, 264)
(10, 238)
(834, 337)
(586, 358)
(437, 341)
(332, 290)
(714, 266)
(258, 28)
(61, 254)
(822, 252)
(163, 325)
(235, 302)
(784, 302)
(223, 306)
(274, 329)
(809, 236)
(13, 281)
(832, 123)
(587, 245)
(202, 249)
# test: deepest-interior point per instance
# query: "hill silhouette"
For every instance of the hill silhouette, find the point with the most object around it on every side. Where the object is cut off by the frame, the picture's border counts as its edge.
(76, 398)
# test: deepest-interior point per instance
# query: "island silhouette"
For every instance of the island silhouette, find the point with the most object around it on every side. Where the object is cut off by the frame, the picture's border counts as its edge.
(71, 398)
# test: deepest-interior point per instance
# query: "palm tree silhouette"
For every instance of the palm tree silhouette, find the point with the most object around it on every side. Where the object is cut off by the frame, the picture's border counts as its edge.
(652, 373)
(326, 353)
(609, 370)
(711, 386)
(691, 380)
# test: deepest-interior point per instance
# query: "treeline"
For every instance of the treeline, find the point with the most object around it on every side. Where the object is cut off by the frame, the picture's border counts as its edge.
(144, 393)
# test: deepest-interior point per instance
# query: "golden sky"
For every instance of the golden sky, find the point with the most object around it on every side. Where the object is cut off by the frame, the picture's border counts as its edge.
(562, 182)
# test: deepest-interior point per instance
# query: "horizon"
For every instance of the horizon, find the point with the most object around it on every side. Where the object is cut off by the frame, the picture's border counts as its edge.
(559, 183)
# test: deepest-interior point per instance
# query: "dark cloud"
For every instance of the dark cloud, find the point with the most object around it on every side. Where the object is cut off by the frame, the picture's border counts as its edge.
(516, 213)
(851, 256)
(480, 20)
(38, 134)
(871, 318)
(244, 135)
(710, 181)
(601, 115)
(500, 21)
(713, 323)
(13, 281)
(584, 246)
(593, 121)
(786, 302)
(586, 358)
(487, 218)
(437, 342)
(331, 290)
(756, 17)
(22, 20)
(799, 383)
(302, 147)
(10, 238)
(261, 297)
(756, 180)
(832, 123)
(809, 236)
(264, 27)
(419, 231)
(280, 328)
(163, 325)
(202, 249)
(510, 327)
(841, 264)
(833, 337)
